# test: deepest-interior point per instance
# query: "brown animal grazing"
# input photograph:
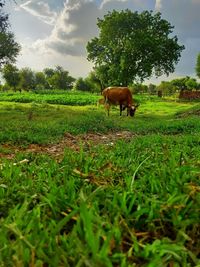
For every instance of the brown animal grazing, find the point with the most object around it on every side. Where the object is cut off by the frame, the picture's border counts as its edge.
(119, 96)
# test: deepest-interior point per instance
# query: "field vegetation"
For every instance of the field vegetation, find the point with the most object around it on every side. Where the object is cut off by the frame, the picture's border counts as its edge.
(121, 202)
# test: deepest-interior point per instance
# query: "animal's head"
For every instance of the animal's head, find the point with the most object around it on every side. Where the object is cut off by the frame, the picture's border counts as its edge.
(133, 109)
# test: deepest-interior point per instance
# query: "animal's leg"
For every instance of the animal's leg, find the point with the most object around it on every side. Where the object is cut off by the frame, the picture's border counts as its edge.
(107, 106)
(121, 108)
(108, 110)
(128, 111)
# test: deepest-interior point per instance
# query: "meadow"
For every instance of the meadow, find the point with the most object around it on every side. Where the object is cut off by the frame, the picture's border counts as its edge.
(128, 202)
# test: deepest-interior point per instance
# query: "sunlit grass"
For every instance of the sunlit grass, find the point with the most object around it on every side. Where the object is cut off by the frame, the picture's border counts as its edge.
(46, 123)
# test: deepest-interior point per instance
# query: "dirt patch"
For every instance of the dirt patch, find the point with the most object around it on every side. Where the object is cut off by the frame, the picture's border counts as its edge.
(69, 141)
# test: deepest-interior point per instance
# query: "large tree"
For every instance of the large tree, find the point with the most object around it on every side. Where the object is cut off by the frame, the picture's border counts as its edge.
(134, 46)
(9, 49)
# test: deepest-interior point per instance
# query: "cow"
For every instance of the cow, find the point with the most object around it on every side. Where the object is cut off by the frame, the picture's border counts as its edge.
(119, 96)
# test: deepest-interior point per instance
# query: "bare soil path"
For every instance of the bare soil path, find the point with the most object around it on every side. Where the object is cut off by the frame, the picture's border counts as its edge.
(73, 142)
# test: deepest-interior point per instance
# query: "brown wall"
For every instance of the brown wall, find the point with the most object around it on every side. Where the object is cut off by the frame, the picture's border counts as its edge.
(189, 94)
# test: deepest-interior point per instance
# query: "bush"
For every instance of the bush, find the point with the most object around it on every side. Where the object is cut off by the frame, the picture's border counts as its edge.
(5, 88)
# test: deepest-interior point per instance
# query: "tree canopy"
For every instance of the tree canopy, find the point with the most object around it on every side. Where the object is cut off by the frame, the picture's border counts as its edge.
(12, 76)
(133, 46)
(9, 49)
(59, 78)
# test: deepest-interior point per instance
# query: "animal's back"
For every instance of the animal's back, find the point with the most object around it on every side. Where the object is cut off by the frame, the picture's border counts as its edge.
(118, 95)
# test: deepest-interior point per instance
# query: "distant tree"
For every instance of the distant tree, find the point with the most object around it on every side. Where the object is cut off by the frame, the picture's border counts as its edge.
(9, 49)
(152, 89)
(81, 85)
(198, 66)
(27, 79)
(5, 87)
(133, 46)
(11, 75)
(180, 83)
(167, 88)
(95, 81)
(41, 81)
(191, 84)
(102, 73)
(139, 88)
(60, 79)
(49, 72)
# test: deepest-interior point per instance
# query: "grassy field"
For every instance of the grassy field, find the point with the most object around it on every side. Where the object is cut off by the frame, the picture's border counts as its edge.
(72, 98)
(134, 202)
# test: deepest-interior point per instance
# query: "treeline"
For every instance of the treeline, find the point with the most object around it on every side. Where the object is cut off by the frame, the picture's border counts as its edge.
(167, 88)
(58, 78)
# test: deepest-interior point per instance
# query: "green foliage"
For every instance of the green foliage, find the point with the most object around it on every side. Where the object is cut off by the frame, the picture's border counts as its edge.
(11, 75)
(167, 88)
(59, 78)
(41, 81)
(95, 81)
(82, 85)
(198, 66)
(192, 84)
(180, 83)
(5, 87)
(133, 46)
(139, 88)
(73, 98)
(152, 89)
(9, 49)
(27, 79)
(89, 84)
(49, 72)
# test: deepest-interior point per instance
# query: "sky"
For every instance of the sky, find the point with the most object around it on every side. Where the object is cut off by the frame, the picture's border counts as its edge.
(56, 32)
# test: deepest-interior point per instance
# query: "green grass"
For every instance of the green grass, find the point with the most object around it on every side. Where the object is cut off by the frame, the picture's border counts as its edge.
(52, 97)
(135, 203)
(42, 124)
(45, 123)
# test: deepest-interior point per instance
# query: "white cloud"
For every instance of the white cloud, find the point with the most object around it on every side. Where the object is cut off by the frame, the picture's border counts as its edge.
(74, 27)
(76, 24)
(158, 5)
(135, 5)
(41, 10)
(77, 66)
